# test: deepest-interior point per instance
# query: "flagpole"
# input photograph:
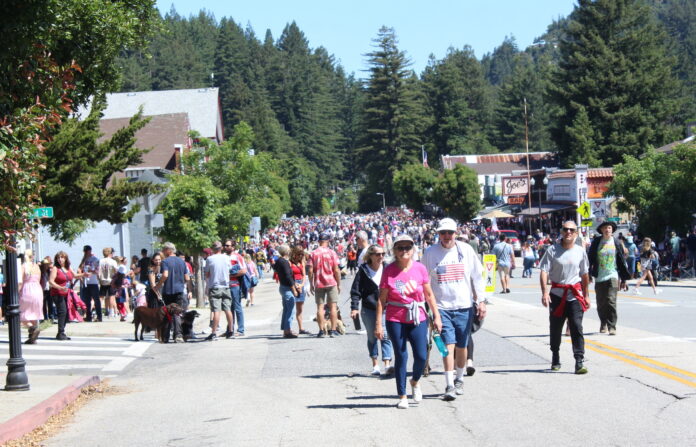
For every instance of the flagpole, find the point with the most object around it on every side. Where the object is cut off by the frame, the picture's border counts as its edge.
(526, 144)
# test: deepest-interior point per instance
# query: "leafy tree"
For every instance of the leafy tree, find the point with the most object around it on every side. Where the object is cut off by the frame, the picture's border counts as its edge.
(413, 185)
(61, 52)
(79, 180)
(250, 183)
(392, 115)
(346, 201)
(614, 67)
(191, 211)
(659, 188)
(458, 193)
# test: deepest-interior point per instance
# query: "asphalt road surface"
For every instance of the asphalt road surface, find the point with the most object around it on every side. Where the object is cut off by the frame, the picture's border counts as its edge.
(263, 389)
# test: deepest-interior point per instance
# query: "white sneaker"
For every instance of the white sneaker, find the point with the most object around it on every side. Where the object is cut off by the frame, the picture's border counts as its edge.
(403, 404)
(362, 331)
(376, 371)
(417, 393)
(636, 291)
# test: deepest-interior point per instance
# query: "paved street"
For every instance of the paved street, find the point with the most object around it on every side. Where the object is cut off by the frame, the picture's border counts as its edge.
(262, 389)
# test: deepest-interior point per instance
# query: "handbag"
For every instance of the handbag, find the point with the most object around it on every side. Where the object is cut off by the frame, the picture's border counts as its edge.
(477, 322)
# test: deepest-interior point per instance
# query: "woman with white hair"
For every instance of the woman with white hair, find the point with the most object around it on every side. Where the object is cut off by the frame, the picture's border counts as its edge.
(30, 296)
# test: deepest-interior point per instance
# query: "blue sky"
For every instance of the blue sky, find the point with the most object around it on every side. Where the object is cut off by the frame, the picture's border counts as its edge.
(346, 29)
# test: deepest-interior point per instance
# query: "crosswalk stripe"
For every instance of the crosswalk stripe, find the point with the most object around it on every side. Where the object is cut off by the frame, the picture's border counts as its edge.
(61, 367)
(40, 347)
(67, 357)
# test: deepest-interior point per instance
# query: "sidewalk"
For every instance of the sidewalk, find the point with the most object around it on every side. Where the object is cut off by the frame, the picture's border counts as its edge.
(49, 393)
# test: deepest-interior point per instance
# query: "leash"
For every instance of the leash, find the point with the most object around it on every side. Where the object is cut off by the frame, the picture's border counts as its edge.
(167, 314)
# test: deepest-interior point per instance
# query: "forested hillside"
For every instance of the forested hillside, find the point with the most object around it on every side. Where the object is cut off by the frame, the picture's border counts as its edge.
(614, 78)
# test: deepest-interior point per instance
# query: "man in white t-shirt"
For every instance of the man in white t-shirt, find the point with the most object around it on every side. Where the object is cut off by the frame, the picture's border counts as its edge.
(90, 292)
(361, 242)
(456, 280)
(217, 275)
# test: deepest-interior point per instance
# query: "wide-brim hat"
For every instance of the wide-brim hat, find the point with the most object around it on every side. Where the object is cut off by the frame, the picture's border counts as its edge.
(606, 222)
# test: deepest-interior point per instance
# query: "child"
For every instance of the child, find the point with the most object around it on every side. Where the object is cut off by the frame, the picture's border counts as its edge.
(140, 294)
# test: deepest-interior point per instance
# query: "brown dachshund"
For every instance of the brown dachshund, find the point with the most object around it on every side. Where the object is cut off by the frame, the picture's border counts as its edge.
(159, 318)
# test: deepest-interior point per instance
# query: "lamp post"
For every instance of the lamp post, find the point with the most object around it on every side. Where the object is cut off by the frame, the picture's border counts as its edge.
(546, 182)
(16, 379)
(384, 203)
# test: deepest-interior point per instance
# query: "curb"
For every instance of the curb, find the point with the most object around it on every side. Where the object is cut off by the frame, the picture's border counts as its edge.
(38, 414)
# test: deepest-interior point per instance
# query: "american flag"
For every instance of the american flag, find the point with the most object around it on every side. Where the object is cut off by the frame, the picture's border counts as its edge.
(450, 273)
(405, 288)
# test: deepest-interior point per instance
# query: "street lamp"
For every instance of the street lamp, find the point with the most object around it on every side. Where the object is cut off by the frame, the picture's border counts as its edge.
(546, 182)
(384, 203)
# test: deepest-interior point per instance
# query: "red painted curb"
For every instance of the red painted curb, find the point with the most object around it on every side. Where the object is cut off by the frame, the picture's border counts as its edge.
(37, 415)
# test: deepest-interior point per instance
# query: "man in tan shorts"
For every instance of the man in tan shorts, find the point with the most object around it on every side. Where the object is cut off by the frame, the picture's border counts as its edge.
(325, 283)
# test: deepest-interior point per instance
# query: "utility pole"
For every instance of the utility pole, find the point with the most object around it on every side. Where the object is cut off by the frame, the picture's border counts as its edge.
(526, 145)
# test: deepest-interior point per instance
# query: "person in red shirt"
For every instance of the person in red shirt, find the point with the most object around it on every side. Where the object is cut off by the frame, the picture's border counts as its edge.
(235, 290)
(325, 283)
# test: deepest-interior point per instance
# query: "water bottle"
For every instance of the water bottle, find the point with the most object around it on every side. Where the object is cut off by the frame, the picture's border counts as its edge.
(440, 344)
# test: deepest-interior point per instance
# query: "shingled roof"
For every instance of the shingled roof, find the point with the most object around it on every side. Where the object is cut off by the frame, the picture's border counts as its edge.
(489, 164)
(160, 135)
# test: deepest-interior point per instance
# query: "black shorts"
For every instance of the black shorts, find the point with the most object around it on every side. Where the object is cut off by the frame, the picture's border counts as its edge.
(104, 290)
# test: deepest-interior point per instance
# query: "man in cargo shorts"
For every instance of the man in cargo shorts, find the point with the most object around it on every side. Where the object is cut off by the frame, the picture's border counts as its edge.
(325, 283)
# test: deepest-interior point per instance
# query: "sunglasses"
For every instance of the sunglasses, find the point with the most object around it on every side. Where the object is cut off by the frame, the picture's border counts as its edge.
(403, 247)
(227, 245)
(378, 254)
(569, 230)
(446, 232)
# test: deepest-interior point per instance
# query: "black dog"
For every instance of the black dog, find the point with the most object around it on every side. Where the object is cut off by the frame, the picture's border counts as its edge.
(187, 324)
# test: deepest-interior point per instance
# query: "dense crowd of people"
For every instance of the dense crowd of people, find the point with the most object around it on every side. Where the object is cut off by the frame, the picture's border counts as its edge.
(414, 280)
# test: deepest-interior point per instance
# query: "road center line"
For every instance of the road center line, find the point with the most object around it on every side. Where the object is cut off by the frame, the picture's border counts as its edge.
(644, 359)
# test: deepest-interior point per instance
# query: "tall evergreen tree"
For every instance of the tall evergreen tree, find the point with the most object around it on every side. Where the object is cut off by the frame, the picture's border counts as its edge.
(527, 82)
(499, 66)
(458, 105)
(614, 68)
(392, 118)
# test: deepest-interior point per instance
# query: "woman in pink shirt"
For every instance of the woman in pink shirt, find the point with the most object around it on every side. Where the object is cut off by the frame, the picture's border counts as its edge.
(403, 291)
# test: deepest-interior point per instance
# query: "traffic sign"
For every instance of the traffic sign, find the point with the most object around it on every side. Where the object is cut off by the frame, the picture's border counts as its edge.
(586, 223)
(489, 272)
(43, 213)
(584, 210)
(614, 219)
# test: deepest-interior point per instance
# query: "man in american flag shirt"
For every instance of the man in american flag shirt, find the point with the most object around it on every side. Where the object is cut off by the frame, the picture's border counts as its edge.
(457, 282)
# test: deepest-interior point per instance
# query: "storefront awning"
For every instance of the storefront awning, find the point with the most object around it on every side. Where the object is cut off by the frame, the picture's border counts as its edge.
(545, 208)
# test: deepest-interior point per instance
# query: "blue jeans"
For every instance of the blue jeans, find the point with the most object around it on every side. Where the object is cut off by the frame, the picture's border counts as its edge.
(631, 265)
(288, 299)
(400, 334)
(369, 317)
(259, 268)
(237, 308)
(528, 263)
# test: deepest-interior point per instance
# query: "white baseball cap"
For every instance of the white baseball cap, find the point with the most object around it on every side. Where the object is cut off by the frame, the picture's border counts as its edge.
(447, 224)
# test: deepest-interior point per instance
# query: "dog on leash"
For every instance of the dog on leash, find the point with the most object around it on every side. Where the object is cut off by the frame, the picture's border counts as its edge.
(159, 319)
(187, 324)
(340, 326)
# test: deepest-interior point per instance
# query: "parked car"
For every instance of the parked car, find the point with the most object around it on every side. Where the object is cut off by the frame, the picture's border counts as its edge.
(514, 240)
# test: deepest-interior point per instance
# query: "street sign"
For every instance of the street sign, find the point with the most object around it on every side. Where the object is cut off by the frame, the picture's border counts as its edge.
(614, 219)
(489, 272)
(584, 210)
(586, 223)
(43, 213)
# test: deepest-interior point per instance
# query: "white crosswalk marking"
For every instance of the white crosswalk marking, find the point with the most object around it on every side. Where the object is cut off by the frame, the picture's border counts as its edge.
(80, 355)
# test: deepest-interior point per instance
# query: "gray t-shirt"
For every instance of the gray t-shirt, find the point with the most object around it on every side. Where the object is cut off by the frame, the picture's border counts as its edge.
(217, 270)
(503, 254)
(565, 266)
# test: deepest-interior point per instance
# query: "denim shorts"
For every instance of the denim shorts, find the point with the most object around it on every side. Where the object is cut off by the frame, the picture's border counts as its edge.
(456, 326)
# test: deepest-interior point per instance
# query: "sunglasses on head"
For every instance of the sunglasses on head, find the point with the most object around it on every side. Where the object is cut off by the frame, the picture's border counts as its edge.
(569, 229)
(403, 247)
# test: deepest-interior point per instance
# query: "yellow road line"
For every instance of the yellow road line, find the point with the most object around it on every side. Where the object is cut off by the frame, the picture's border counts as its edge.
(644, 359)
(645, 367)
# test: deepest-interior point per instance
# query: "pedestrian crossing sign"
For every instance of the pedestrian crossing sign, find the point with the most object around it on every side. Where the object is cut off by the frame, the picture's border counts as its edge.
(584, 210)
(489, 272)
